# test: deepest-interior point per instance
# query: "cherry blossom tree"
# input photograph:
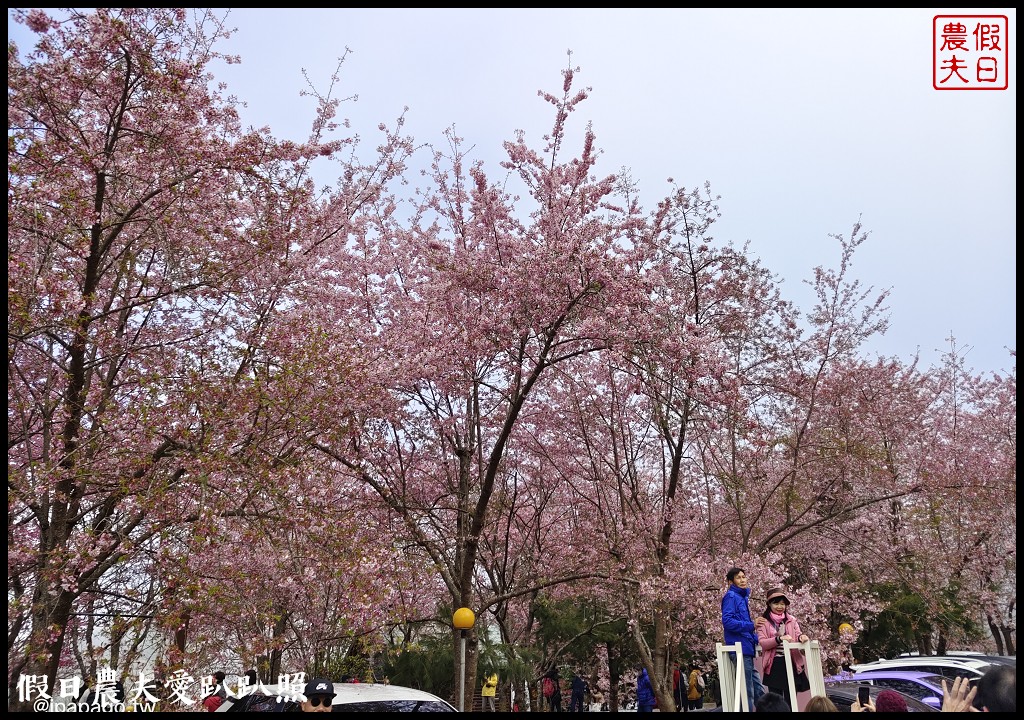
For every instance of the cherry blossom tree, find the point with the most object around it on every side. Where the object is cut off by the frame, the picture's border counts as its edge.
(636, 416)
(157, 256)
(476, 305)
(110, 148)
(270, 419)
(956, 544)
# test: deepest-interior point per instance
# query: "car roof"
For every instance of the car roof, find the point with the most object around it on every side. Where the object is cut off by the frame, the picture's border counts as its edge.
(996, 659)
(902, 674)
(947, 667)
(939, 661)
(355, 693)
(380, 691)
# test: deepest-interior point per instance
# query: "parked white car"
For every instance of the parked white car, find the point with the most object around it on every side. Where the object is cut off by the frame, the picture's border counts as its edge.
(948, 666)
(348, 697)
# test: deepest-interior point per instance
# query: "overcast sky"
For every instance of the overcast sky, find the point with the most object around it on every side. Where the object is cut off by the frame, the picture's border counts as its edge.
(802, 120)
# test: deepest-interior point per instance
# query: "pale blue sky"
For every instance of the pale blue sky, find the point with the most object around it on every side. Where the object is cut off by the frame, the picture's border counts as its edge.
(802, 120)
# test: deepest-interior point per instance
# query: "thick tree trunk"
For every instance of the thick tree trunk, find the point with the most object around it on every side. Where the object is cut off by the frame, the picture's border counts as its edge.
(662, 679)
(50, 617)
(275, 655)
(614, 674)
(996, 635)
(1008, 640)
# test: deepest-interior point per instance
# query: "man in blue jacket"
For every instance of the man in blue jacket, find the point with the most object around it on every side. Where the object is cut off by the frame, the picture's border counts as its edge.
(739, 628)
(644, 692)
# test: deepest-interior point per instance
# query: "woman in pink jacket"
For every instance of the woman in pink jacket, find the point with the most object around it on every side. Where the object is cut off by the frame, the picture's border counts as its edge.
(778, 626)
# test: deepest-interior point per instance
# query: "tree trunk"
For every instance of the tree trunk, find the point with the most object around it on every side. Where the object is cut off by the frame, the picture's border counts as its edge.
(614, 674)
(275, 655)
(1008, 639)
(50, 617)
(996, 635)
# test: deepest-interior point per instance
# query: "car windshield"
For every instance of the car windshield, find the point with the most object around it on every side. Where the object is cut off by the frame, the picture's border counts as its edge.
(952, 672)
(908, 687)
(260, 702)
(393, 706)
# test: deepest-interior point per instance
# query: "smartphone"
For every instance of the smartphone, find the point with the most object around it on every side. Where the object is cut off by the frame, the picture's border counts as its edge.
(863, 694)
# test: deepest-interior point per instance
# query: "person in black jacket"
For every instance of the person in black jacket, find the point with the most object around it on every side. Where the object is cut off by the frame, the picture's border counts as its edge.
(555, 699)
(579, 691)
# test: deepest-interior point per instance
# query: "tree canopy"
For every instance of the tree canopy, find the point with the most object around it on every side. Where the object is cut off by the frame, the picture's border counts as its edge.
(252, 420)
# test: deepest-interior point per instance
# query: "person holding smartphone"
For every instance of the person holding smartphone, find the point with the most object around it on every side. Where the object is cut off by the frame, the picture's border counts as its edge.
(863, 702)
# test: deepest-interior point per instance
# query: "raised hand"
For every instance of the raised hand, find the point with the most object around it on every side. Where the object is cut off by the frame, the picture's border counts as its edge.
(959, 698)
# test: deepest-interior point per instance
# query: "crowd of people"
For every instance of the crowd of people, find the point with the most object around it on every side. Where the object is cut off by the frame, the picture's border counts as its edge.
(766, 674)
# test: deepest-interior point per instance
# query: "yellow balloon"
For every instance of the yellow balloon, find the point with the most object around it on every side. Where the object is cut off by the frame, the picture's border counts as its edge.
(846, 628)
(463, 618)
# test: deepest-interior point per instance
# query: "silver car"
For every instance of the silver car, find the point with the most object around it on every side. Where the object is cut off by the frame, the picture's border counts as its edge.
(947, 666)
